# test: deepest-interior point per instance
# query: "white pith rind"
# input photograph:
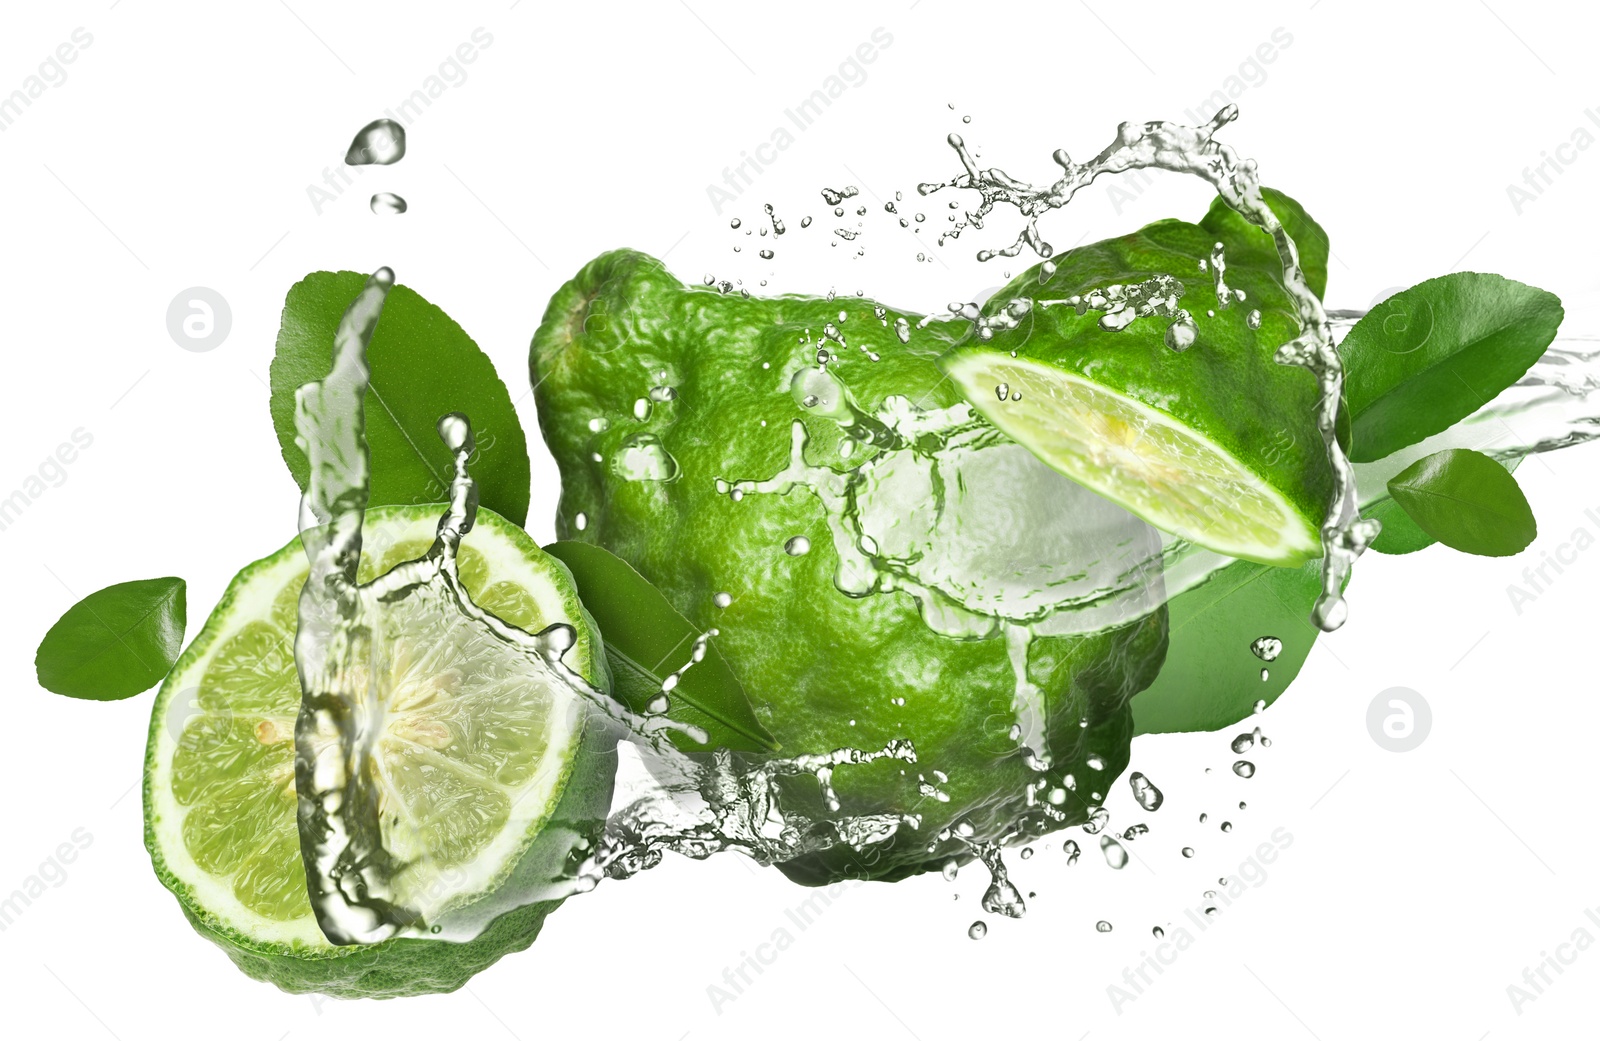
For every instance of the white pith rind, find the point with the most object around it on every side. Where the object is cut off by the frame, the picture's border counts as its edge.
(250, 598)
(1252, 520)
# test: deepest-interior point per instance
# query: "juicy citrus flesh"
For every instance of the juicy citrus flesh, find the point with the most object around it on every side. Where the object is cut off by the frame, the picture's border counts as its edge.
(1169, 474)
(470, 761)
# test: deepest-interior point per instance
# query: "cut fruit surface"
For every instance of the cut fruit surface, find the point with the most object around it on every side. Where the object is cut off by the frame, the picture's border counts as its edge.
(1135, 368)
(475, 764)
(1139, 457)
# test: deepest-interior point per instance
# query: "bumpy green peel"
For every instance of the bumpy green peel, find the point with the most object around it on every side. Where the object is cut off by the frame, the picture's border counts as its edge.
(823, 669)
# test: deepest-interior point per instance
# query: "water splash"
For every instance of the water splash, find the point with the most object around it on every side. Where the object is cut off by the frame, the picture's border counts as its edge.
(1194, 150)
(361, 862)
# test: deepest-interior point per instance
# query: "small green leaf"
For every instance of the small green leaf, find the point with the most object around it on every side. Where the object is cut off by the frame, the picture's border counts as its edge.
(646, 639)
(1436, 353)
(116, 642)
(1211, 678)
(1310, 240)
(1400, 533)
(423, 366)
(1467, 501)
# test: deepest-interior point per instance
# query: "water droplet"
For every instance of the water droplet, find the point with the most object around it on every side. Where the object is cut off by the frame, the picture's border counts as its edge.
(950, 869)
(1095, 762)
(1253, 319)
(380, 142)
(1102, 926)
(1267, 648)
(1158, 932)
(1115, 853)
(1241, 805)
(581, 521)
(805, 222)
(1027, 853)
(642, 457)
(1182, 333)
(1188, 851)
(661, 394)
(1003, 391)
(766, 254)
(599, 424)
(387, 203)
(722, 600)
(977, 930)
(1260, 707)
(734, 224)
(1070, 848)
(1243, 743)
(641, 409)
(1204, 817)
(658, 704)
(1144, 792)
(798, 546)
(1244, 768)
(1227, 826)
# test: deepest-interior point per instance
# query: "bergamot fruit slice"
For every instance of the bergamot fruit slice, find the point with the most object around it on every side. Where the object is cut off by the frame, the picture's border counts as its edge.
(485, 783)
(1216, 442)
(1147, 461)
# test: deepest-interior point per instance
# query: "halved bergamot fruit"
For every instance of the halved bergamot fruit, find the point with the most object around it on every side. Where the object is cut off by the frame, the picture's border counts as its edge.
(1216, 443)
(484, 776)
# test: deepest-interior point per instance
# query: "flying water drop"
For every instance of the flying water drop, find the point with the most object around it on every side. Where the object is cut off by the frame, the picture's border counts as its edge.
(379, 143)
(1145, 793)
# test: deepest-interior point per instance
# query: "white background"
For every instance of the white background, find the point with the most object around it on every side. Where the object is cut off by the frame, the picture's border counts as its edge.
(178, 153)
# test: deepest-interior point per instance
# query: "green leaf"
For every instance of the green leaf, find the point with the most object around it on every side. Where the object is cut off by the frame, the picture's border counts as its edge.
(646, 639)
(1310, 240)
(423, 366)
(1400, 533)
(1211, 678)
(1438, 352)
(116, 642)
(1467, 501)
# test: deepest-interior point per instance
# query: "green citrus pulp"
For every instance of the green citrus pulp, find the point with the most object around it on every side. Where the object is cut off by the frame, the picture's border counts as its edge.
(479, 780)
